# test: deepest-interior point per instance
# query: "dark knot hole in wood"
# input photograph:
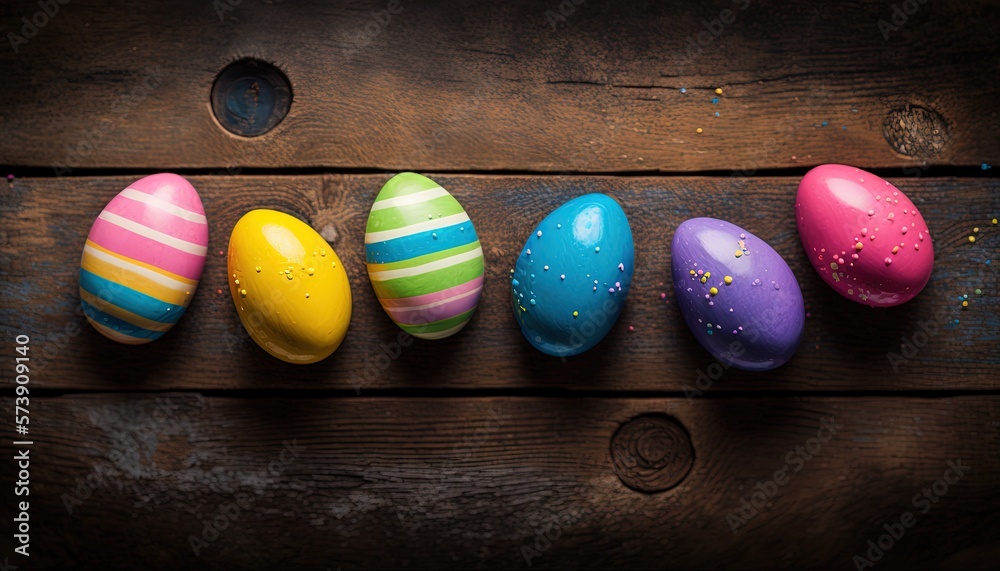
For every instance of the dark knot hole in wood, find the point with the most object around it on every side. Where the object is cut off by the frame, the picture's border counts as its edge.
(915, 131)
(250, 97)
(651, 453)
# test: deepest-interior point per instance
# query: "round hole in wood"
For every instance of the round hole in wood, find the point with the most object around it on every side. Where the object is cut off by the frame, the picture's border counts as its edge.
(651, 453)
(250, 97)
(915, 131)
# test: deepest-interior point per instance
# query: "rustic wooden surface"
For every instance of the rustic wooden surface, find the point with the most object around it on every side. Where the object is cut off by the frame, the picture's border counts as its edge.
(466, 482)
(210, 350)
(477, 451)
(462, 85)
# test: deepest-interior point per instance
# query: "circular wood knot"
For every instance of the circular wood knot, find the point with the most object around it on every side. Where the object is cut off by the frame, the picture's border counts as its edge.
(250, 97)
(915, 131)
(651, 453)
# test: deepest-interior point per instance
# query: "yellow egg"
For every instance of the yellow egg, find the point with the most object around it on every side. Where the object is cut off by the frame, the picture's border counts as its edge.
(290, 288)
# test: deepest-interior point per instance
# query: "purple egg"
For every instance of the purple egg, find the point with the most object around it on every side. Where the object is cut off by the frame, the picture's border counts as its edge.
(737, 295)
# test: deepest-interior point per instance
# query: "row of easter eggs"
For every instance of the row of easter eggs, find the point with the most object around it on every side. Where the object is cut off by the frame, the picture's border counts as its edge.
(145, 252)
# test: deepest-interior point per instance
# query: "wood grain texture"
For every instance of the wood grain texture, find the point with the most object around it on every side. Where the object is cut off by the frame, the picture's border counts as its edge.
(466, 86)
(846, 345)
(466, 483)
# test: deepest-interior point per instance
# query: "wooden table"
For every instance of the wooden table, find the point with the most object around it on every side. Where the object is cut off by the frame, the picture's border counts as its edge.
(201, 451)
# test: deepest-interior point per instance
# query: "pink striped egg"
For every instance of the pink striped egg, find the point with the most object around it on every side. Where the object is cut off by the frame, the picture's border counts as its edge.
(143, 259)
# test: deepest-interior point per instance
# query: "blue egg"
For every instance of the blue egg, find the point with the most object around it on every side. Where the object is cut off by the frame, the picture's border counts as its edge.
(570, 282)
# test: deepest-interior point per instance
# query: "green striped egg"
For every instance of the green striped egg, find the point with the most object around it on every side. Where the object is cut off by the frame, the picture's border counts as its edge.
(424, 258)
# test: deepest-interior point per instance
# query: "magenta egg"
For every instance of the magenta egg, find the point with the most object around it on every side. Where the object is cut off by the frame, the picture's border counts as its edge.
(863, 235)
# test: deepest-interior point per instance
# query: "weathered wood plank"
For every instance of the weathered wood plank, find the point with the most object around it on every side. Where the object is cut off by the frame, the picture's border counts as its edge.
(463, 86)
(846, 345)
(463, 483)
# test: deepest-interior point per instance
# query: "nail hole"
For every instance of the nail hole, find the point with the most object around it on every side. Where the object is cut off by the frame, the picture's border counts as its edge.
(250, 97)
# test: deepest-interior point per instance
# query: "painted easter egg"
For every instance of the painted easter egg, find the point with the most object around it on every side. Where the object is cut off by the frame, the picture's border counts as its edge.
(424, 259)
(143, 258)
(290, 289)
(570, 282)
(863, 235)
(737, 295)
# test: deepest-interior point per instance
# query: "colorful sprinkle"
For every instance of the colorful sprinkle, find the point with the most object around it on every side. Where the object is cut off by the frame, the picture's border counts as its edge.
(698, 130)
(714, 291)
(972, 239)
(728, 279)
(576, 314)
(718, 91)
